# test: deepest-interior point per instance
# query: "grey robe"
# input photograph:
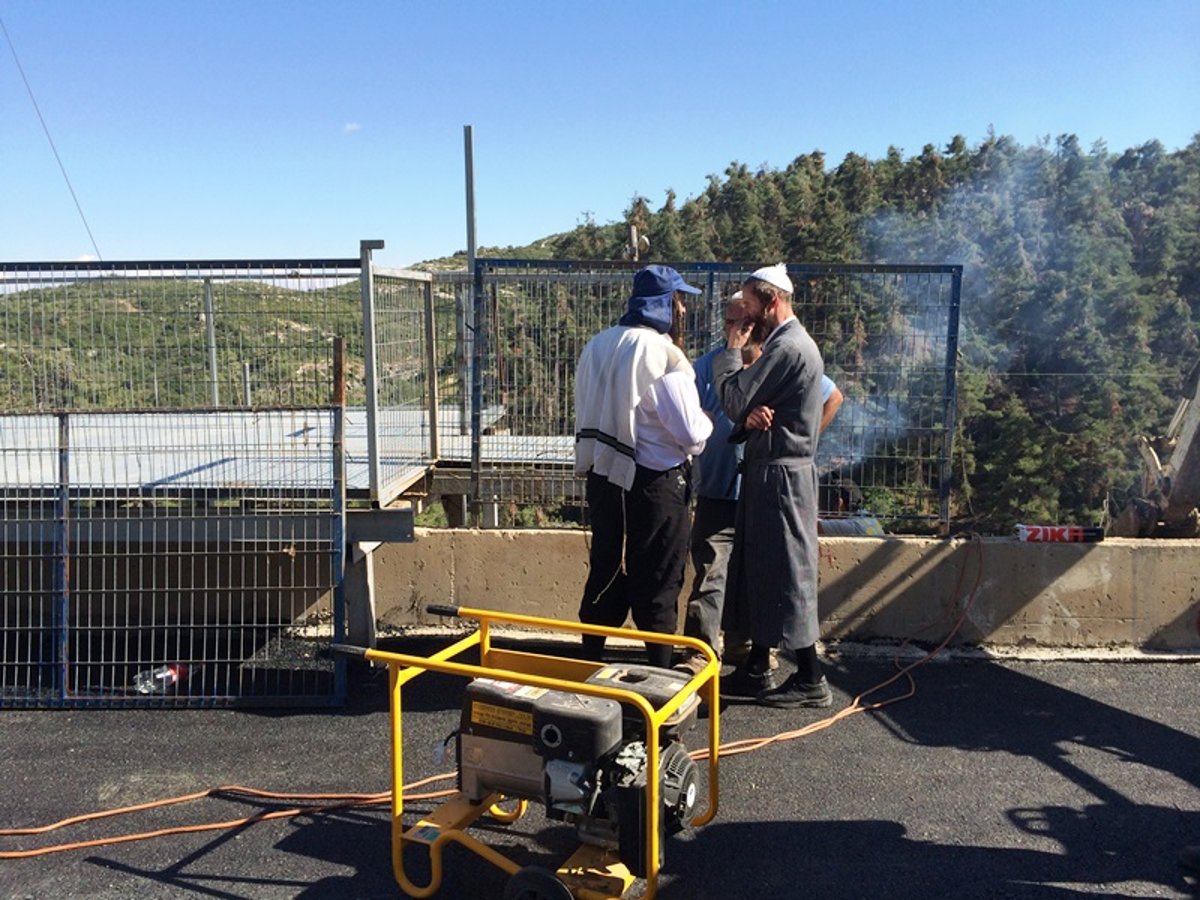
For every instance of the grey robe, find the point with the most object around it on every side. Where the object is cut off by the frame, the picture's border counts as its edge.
(772, 589)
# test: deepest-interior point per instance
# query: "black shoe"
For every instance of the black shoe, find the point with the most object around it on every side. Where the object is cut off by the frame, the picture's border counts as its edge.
(1189, 861)
(746, 684)
(794, 693)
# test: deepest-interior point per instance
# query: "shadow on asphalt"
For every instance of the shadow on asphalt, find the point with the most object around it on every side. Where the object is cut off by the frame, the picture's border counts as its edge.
(1109, 841)
(981, 707)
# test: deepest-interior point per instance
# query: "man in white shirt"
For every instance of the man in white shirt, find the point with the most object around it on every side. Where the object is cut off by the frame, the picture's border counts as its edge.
(638, 422)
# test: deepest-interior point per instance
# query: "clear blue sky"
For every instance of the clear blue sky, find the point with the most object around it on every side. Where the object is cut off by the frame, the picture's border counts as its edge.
(251, 129)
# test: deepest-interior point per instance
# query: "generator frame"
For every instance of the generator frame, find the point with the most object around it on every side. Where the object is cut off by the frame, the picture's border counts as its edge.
(592, 872)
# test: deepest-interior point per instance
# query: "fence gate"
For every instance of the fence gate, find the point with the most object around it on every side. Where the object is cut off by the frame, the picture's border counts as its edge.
(172, 488)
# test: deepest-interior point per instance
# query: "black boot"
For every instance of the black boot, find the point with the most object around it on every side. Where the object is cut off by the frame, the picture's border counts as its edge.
(795, 693)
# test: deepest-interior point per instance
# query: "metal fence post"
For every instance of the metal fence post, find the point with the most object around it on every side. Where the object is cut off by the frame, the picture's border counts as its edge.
(62, 567)
(473, 320)
(370, 375)
(210, 329)
(435, 450)
(338, 536)
(467, 307)
(476, 500)
(714, 315)
(950, 416)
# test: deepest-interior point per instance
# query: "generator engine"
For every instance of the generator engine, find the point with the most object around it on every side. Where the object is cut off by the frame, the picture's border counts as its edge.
(584, 758)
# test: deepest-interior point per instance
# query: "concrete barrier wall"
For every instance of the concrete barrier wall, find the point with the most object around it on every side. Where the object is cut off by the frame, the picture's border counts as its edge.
(168, 585)
(1117, 593)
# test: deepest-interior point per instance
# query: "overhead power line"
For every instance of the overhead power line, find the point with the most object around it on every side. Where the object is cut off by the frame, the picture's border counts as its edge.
(46, 129)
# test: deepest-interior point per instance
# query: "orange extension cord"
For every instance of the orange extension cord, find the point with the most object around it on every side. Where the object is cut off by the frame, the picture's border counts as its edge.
(360, 801)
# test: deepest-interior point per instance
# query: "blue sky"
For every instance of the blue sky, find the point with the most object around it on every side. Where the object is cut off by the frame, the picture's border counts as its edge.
(251, 129)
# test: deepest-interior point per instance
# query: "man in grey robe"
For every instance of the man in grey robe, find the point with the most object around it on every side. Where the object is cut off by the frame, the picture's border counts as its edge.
(775, 406)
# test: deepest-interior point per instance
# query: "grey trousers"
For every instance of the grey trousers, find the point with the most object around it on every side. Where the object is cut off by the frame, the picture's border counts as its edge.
(711, 545)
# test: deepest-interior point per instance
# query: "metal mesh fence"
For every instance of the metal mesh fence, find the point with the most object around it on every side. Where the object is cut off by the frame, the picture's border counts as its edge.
(888, 335)
(172, 482)
(174, 470)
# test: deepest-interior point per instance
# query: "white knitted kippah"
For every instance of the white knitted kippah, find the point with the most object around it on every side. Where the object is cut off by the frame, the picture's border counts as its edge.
(776, 275)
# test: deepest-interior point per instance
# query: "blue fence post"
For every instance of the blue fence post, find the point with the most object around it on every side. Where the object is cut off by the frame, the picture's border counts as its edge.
(950, 414)
(338, 522)
(62, 562)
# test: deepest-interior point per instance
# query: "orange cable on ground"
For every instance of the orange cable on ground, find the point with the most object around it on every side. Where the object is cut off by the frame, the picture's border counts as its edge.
(356, 801)
(182, 829)
(346, 801)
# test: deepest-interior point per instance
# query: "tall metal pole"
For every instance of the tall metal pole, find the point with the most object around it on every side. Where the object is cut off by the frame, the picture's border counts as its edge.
(466, 311)
(469, 157)
(475, 344)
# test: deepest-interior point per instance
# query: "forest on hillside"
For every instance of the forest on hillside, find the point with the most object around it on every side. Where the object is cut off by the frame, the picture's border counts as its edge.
(1080, 301)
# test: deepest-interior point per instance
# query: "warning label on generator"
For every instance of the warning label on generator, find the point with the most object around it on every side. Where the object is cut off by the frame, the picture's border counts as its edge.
(517, 690)
(493, 716)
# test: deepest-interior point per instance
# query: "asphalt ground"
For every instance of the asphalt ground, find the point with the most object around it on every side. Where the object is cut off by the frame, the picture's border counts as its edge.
(1047, 779)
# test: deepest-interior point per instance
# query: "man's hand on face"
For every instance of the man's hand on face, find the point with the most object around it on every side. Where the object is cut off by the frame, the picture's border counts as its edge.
(737, 332)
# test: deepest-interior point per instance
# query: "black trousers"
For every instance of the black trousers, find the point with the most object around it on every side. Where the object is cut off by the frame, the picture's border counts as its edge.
(650, 522)
(711, 545)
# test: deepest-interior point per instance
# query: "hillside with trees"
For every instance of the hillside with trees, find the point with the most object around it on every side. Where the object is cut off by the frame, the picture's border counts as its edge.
(1081, 291)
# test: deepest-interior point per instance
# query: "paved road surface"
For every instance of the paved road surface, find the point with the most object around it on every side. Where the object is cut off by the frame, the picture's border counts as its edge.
(1015, 779)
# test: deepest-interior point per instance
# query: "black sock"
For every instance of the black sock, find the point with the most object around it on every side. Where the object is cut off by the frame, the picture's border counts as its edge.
(659, 654)
(759, 660)
(593, 647)
(808, 667)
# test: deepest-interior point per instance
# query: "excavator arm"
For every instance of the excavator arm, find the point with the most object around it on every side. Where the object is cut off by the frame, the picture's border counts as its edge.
(1169, 505)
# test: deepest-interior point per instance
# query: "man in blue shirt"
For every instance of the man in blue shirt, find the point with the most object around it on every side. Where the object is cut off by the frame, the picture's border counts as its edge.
(716, 484)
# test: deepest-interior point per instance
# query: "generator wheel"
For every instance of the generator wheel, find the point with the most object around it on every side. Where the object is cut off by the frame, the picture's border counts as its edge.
(536, 883)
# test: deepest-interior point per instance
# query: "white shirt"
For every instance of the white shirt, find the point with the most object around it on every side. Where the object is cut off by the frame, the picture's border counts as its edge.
(671, 424)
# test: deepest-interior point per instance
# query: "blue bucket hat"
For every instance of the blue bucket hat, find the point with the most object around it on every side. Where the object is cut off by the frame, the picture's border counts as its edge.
(650, 304)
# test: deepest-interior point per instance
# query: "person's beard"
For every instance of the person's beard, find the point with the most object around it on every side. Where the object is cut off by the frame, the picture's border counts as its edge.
(761, 326)
(759, 330)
